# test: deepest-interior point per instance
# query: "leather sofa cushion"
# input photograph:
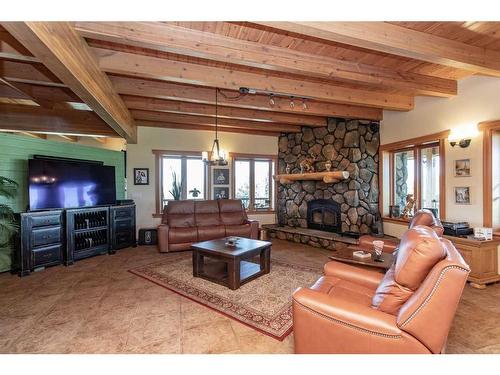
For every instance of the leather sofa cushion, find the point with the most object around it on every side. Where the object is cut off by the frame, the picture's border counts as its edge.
(230, 205)
(419, 251)
(211, 232)
(181, 221)
(182, 235)
(206, 207)
(243, 230)
(206, 213)
(427, 218)
(233, 218)
(179, 214)
(333, 286)
(232, 212)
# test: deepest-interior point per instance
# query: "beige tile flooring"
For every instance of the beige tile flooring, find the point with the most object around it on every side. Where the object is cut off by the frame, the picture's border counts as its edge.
(96, 306)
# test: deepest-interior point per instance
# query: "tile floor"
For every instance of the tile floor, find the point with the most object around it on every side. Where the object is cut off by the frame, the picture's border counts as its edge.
(96, 306)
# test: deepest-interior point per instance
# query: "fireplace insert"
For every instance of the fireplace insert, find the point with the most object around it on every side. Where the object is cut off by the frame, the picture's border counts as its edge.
(324, 214)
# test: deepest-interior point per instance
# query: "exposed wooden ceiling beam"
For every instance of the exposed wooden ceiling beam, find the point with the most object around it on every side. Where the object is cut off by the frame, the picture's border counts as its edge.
(194, 43)
(37, 119)
(100, 139)
(197, 94)
(398, 40)
(171, 125)
(170, 106)
(34, 135)
(182, 72)
(15, 71)
(210, 121)
(59, 47)
(17, 57)
(71, 138)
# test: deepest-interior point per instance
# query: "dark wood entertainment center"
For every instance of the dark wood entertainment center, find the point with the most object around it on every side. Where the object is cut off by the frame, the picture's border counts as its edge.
(52, 237)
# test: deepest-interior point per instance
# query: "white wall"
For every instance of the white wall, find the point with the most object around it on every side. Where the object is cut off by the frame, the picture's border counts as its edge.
(477, 101)
(140, 156)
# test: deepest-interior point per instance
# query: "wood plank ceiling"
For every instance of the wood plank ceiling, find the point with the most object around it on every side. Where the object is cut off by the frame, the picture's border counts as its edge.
(107, 78)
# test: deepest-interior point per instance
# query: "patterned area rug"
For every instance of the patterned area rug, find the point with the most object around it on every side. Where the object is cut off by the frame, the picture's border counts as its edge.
(264, 304)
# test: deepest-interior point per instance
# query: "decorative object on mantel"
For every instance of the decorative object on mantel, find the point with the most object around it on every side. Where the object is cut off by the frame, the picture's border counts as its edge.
(409, 209)
(307, 164)
(328, 165)
(326, 177)
(218, 156)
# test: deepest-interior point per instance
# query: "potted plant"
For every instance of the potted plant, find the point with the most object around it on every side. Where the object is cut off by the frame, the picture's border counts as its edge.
(176, 187)
(8, 226)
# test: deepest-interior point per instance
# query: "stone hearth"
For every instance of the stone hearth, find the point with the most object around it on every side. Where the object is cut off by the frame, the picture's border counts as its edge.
(350, 145)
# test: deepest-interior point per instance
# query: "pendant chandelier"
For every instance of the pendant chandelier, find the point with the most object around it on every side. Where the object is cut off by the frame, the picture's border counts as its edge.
(218, 156)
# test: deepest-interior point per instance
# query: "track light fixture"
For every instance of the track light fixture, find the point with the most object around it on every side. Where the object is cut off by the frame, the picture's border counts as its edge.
(292, 103)
(304, 104)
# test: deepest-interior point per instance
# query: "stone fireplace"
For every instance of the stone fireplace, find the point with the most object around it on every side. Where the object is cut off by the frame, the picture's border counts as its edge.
(349, 206)
(324, 214)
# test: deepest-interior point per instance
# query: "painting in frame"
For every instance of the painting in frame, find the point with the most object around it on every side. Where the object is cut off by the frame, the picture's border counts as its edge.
(462, 168)
(141, 176)
(462, 195)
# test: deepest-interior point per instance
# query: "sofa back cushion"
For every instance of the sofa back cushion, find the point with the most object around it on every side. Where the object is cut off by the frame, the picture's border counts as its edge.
(419, 251)
(180, 214)
(427, 218)
(232, 212)
(206, 213)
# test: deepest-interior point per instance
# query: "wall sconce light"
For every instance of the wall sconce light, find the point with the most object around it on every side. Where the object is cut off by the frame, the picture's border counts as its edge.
(462, 135)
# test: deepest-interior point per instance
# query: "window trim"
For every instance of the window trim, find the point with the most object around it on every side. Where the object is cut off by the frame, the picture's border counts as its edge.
(488, 128)
(415, 144)
(159, 155)
(272, 171)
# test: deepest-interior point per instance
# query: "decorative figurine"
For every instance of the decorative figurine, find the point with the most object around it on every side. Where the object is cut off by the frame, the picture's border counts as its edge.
(328, 165)
(307, 165)
(287, 169)
(409, 209)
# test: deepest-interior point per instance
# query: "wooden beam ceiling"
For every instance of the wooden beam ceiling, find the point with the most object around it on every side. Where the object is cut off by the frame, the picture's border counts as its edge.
(194, 43)
(37, 119)
(112, 61)
(398, 40)
(210, 121)
(171, 125)
(197, 94)
(67, 55)
(170, 106)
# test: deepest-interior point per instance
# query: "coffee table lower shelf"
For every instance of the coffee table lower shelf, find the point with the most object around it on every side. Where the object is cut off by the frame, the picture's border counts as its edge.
(217, 272)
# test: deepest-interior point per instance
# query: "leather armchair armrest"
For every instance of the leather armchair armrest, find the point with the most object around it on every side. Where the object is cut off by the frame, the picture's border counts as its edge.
(366, 243)
(346, 313)
(254, 229)
(369, 278)
(163, 230)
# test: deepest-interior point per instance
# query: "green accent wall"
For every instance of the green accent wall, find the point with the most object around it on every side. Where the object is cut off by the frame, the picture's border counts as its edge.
(15, 150)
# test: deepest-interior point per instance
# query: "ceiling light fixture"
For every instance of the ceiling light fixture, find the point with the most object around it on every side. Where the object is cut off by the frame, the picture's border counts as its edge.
(272, 102)
(292, 103)
(304, 104)
(218, 156)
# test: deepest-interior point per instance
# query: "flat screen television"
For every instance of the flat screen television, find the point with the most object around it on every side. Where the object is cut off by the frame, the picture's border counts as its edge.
(55, 183)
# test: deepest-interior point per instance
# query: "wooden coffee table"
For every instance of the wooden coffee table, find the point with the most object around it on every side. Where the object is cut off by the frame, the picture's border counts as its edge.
(229, 265)
(345, 256)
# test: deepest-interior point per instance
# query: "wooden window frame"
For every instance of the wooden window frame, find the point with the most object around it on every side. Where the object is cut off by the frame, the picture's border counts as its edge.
(488, 128)
(416, 145)
(272, 159)
(183, 155)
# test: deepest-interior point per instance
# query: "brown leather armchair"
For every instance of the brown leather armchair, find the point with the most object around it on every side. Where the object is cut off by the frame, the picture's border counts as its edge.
(408, 310)
(422, 217)
(189, 221)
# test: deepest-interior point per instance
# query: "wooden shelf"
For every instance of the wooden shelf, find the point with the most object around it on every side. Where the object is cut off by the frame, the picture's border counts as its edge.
(327, 177)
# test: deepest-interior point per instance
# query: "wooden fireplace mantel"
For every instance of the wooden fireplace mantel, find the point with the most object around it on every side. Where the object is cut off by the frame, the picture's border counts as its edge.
(327, 177)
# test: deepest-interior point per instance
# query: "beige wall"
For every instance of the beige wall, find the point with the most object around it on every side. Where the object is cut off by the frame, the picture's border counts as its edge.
(140, 156)
(477, 101)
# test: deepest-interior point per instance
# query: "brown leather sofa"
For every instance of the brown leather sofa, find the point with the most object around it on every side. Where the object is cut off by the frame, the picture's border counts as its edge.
(422, 217)
(408, 310)
(190, 221)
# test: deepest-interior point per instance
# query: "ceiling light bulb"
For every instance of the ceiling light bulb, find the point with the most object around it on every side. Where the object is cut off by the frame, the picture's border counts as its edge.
(271, 100)
(304, 104)
(292, 103)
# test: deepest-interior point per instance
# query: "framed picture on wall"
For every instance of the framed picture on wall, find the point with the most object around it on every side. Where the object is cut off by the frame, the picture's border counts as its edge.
(221, 192)
(462, 195)
(141, 176)
(220, 176)
(462, 168)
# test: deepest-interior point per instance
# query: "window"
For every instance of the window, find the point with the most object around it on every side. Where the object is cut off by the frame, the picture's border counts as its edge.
(491, 175)
(187, 168)
(253, 181)
(414, 168)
